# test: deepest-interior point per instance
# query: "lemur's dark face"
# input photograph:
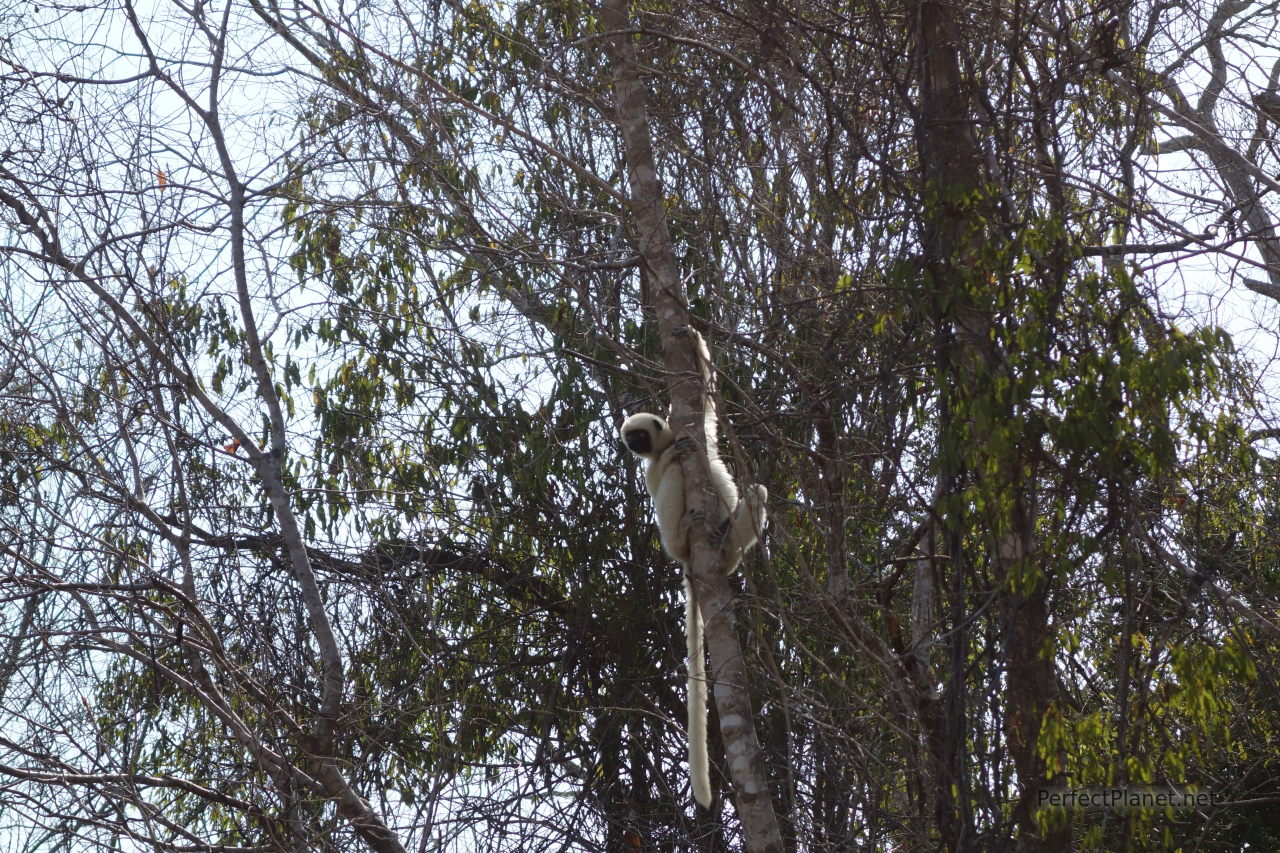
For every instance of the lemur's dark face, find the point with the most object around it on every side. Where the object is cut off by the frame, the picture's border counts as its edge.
(645, 435)
(639, 441)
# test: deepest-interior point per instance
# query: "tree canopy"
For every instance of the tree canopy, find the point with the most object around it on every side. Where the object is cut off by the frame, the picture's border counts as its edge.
(319, 321)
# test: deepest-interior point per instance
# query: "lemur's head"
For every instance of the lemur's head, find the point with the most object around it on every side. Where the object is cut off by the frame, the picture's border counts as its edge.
(646, 435)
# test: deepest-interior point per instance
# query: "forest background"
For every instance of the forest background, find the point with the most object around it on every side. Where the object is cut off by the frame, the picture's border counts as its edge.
(320, 319)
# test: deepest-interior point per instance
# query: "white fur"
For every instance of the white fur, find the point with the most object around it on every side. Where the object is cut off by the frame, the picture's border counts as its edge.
(649, 437)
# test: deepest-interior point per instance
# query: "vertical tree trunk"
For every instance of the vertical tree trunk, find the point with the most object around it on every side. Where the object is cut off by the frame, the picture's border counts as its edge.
(954, 230)
(688, 397)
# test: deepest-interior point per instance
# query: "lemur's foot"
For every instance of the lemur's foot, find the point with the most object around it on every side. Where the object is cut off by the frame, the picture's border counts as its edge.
(721, 533)
(692, 517)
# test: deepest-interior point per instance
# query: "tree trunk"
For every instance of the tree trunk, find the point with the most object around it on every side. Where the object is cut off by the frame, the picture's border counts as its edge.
(955, 226)
(688, 398)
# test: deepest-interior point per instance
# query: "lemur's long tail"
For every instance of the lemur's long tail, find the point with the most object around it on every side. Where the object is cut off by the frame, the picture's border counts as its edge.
(699, 769)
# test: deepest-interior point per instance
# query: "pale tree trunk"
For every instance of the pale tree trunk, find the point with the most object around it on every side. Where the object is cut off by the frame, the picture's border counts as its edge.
(688, 398)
